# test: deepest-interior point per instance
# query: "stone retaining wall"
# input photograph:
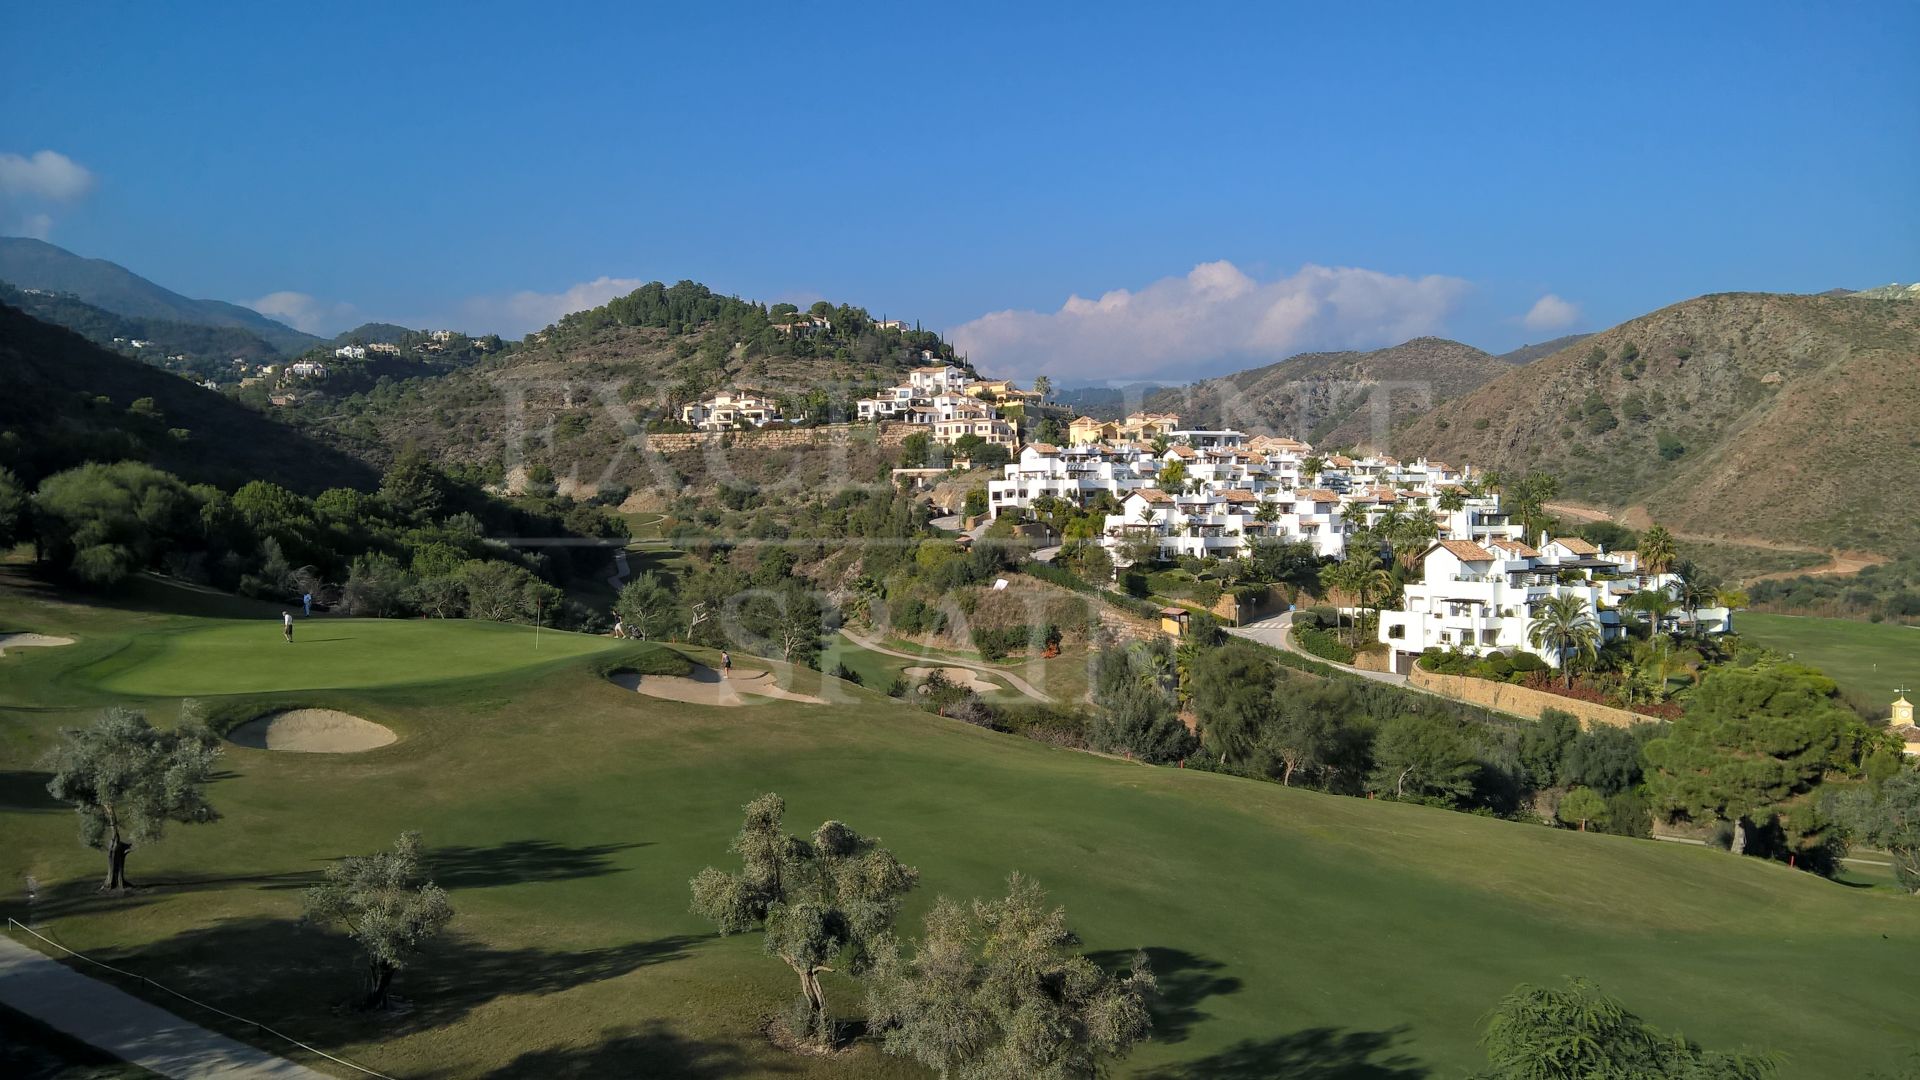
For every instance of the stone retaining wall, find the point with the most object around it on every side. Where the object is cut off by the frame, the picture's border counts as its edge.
(1522, 700)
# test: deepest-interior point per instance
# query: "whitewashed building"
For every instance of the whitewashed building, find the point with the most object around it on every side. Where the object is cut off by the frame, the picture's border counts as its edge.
(1481, 598)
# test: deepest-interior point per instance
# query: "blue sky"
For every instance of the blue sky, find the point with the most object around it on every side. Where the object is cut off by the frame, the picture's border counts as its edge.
(1339, 175)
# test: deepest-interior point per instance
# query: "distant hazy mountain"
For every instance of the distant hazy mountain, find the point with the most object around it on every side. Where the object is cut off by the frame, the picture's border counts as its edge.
(1335, 398)
(1527, 354)
(36, 264)
(166, 337)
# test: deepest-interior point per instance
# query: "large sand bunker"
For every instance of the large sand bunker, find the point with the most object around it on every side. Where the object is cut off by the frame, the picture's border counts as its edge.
(30, 641)
(705, 686)
(964, 678)
(311, 731)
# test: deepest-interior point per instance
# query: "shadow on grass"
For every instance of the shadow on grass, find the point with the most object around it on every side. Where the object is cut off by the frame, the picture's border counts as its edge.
(651, 1049)
(519, 861)
(1184, 981)
(289, 971)
(1321, 1053)
(81, 896)
(26, 789)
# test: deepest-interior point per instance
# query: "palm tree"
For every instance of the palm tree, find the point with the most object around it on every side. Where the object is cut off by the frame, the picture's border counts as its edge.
(1656, 604)
(1337, 577)
(1563, 624)
(1453, 500)
(1311, 467)
(1042, 386)
(1268, 513)
(1656, 550)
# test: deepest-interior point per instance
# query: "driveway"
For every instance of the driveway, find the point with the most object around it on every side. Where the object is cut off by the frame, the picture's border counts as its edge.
(1273, 631)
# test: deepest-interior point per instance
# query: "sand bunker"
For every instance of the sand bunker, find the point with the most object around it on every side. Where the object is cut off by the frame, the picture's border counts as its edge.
(311, 731)
(30, 641)
(705, 686)
(964, 678)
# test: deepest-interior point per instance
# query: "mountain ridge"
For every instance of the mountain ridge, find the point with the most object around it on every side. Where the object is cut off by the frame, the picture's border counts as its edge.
(35, 264)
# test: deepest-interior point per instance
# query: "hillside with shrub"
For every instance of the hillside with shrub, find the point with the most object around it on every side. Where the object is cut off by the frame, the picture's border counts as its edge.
(66, 401)
(1739, 415)
(570, 399)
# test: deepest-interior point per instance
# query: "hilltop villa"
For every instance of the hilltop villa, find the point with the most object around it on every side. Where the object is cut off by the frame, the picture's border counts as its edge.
(729, 409)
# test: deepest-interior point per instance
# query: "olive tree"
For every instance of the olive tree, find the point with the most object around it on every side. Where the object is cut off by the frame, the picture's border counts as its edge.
(1888, 817)
(998, 990)
(127, 780)
(822, 901)
(387, 905)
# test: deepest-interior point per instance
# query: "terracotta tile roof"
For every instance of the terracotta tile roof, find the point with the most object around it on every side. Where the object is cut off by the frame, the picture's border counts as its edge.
(1439, 466)
(1340, 461)
(1154, 495)
(1576, 545)
(1467, 550)
(1238, 495)
(1515, 547)
(1317, 495)
(1043, 448)
(935, 367)
(1181, 451)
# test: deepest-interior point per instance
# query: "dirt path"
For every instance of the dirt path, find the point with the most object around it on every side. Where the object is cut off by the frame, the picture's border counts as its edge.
(1636, 517)
(128, 1028)
(1017, 682)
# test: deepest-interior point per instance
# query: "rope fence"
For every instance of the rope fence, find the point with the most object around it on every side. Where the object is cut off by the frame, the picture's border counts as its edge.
(13, 923)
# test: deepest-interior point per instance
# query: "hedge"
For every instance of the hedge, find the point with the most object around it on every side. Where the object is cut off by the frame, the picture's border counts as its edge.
(1322, 644)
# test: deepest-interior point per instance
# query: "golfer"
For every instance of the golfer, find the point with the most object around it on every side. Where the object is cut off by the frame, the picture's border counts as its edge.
(286, 625)
(726, 663)
(306, 605)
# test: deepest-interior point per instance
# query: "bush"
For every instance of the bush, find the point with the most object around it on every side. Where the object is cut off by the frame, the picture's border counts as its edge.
(843, 672)
(1526, 662)
(994, 644)
(1322, 644)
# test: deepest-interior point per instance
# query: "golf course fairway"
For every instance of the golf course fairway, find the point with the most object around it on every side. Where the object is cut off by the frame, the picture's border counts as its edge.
(1294, 933)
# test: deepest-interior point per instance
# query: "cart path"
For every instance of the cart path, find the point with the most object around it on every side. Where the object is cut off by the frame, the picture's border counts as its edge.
(1838, 562)
(932, 659)
(128, 1028)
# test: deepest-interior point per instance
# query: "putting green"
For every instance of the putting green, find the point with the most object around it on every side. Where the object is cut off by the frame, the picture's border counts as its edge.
(327, 654)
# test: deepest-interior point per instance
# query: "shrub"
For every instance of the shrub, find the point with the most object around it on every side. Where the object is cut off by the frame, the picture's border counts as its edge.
(1322, 644)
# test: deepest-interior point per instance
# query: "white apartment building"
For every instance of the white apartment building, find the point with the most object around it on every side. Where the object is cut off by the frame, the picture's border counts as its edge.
(1481, 597)
(351, 352)
(308, 369)
(984, 425)
(729, 409)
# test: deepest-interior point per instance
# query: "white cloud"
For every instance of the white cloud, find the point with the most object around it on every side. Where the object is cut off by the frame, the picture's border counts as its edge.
(1551, 313)
(304, 312)
(525, 311)
(1214, 313)
(32, 185)
(48, 175)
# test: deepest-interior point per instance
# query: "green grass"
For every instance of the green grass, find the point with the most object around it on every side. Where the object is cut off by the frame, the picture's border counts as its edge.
(329, 653)
(30, 1048)
(566, 817)
(1866, 659)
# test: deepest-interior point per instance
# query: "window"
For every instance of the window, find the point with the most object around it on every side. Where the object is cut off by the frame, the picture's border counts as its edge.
(1397, 631)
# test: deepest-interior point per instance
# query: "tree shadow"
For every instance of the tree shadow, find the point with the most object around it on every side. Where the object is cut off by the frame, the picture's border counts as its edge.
(650, 1049)
(518, 861)
(1321, 1053)
(295, 972)
(26, 789)
(1183, 979)
(79, 896)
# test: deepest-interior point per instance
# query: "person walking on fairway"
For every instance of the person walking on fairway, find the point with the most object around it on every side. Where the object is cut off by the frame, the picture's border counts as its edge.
(286, 625)
(306, 605)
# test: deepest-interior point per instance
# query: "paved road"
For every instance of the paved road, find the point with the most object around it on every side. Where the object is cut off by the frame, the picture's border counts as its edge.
(929, 660)
(1272, 630)
(127, 1027)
